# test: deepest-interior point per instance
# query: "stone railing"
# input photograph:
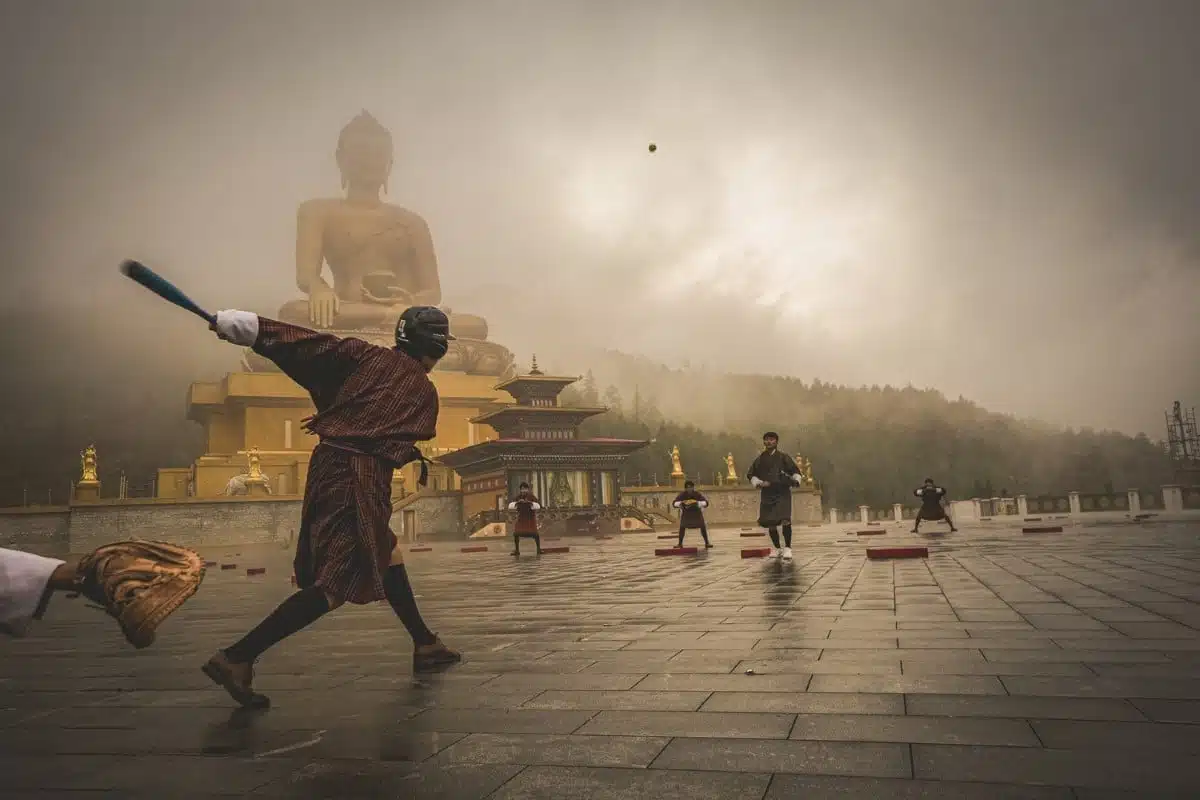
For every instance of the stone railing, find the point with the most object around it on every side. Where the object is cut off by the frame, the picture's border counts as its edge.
(1169, 499)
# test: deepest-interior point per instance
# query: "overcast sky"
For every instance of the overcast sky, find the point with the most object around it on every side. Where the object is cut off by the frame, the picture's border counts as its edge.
(999, 199)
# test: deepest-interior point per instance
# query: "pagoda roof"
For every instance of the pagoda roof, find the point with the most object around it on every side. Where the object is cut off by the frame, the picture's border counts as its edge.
(560, 448)
(537, 379)
(578, 414)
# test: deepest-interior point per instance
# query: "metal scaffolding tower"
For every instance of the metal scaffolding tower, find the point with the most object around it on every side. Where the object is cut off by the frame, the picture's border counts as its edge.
(1183, 442)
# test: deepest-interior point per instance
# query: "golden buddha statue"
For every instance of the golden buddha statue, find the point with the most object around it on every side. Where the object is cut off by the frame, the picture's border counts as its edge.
(380, 256)
(731, 471)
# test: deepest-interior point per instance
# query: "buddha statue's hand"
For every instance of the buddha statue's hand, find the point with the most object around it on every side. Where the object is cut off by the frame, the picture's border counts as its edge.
(323, 306)
(395, 297)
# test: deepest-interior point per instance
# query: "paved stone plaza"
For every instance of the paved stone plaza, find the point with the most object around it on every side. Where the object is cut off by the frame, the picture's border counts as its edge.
(1056, 665)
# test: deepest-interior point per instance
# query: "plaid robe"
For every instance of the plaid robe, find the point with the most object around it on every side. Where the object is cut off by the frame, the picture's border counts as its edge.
(526, 522)
(373, 404)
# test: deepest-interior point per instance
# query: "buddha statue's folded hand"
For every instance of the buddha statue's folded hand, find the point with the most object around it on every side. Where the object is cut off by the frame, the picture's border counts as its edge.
(323, 306)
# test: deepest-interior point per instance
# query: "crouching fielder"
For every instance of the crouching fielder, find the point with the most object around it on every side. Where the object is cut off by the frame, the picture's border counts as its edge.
(138, 583)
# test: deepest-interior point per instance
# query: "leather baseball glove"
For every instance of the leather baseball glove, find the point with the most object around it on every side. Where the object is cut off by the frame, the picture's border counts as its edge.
(140, 584)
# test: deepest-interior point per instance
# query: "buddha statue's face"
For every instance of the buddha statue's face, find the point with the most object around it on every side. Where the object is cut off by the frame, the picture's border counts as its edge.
(364, 153)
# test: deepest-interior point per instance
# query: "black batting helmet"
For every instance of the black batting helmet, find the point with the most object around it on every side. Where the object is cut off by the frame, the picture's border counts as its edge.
(423, 331)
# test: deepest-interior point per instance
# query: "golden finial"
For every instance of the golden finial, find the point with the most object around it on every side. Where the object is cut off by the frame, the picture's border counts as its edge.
(535, 370)
(676, 466)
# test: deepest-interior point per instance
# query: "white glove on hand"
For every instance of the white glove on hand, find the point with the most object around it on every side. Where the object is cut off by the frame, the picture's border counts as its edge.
(239, 327)
(798, 479)
(755, 482)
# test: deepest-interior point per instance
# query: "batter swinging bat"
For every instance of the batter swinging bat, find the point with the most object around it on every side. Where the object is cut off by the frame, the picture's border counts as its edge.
(163, 288)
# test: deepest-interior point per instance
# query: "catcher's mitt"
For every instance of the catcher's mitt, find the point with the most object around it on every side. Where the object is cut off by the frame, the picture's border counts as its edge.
(140, 584)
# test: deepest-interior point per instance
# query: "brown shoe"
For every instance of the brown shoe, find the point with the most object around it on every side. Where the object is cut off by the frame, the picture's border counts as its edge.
(140, 583)
(432, 656)
(237, 679)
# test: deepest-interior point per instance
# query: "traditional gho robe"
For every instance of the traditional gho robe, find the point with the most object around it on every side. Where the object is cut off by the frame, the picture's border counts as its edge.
(526, 507)
(373, 404)
(691, 505)
(775, 473)
(931, 502)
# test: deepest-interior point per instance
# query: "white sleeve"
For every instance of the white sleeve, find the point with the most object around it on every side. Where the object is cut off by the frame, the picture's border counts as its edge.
(239, 327)
(677, 504)
(755, 481)
(535, 506)
(798, 479)
(512, 506)
(704, 504)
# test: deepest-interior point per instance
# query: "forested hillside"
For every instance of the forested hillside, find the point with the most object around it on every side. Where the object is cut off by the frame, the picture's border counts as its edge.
(868, 445)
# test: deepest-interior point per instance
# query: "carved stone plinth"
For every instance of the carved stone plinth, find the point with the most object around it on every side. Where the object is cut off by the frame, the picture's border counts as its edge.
(87, 491)
(257, 487)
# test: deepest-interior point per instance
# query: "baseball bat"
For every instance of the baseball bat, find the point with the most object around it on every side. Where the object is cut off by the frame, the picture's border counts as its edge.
(164, 288)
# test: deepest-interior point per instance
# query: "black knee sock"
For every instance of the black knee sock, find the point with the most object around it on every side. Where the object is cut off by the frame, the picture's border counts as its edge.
(516, 544)
(294, 614)
(787, 535)
(537, 542)
(704, 533)
(682, 530)
(774, 534)
(400, 597)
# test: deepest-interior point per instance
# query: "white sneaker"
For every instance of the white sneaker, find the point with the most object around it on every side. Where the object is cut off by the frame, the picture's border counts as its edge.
(787, 554)
(773, 554)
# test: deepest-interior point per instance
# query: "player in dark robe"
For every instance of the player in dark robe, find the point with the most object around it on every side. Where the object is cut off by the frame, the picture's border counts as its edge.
(691, 505)
(775, 473)
(526, 505)
(373, 405)
(931, 496)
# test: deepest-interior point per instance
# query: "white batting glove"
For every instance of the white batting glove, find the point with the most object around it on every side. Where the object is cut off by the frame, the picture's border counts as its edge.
(238, 327)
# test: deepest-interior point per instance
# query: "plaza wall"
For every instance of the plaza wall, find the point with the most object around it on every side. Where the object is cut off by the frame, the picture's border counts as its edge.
(727, 505)
(193, 523)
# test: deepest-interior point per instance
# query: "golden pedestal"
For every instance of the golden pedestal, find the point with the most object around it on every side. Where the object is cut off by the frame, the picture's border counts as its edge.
(677, 481)
(266, 410)
(86, 492)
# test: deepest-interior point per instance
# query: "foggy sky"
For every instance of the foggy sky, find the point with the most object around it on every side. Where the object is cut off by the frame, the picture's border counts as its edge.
(997, 199)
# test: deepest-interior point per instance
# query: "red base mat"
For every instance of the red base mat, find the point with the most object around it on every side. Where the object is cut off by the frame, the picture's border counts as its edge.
(897, 552)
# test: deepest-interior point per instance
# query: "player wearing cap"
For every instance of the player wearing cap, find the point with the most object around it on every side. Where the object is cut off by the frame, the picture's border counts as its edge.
(373, 405)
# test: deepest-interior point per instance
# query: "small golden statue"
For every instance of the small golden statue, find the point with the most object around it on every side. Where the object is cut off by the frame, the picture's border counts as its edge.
(805, 466)
(676, 466)
(255, 462)
(88, 461)
(731, 475)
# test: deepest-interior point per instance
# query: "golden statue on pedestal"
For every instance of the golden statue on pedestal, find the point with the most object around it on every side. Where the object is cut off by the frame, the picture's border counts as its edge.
(731, 473)
(88, 465)
(254, 462)
(380, 256)
(676, 466)
(805, 466)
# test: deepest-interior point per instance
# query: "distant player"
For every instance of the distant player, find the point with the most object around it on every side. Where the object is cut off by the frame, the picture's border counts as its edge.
(526, 505)
(931, 505)
(691, 505)
(775, 473)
